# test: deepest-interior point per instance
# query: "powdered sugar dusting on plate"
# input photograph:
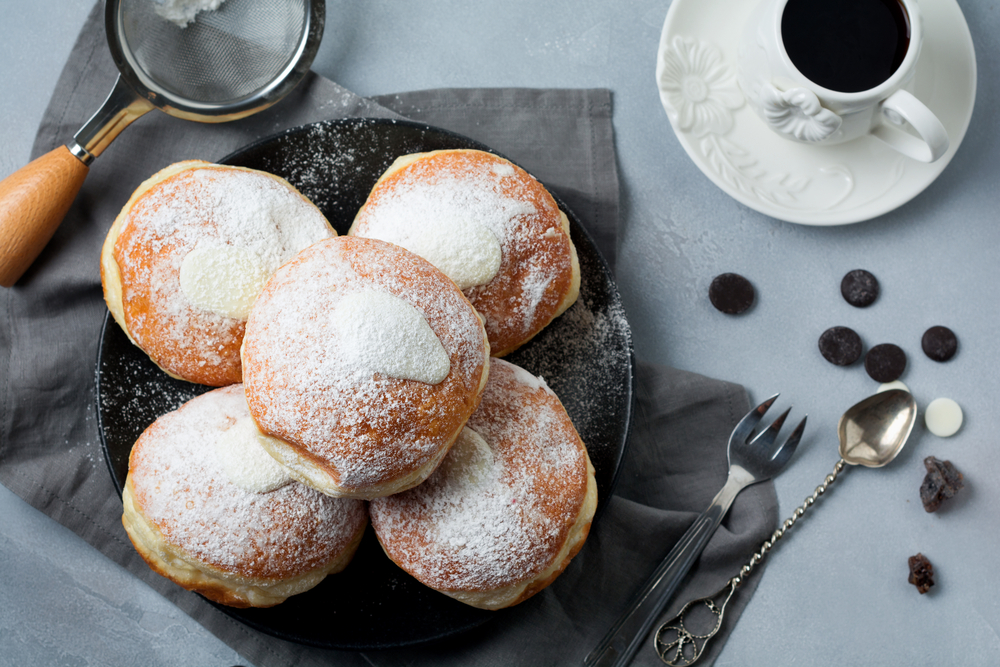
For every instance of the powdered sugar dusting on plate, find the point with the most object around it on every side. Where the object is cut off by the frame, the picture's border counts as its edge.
(584, 356)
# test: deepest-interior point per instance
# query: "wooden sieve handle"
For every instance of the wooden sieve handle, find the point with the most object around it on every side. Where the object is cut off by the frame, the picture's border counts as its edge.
(33, 201)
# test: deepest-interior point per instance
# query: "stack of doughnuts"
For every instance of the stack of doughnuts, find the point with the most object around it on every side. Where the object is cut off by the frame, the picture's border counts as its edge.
(362, 375)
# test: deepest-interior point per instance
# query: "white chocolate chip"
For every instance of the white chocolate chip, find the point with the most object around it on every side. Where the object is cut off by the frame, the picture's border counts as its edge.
(943, 417)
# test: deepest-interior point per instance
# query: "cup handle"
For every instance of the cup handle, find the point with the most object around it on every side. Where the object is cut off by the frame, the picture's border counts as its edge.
(902, 105)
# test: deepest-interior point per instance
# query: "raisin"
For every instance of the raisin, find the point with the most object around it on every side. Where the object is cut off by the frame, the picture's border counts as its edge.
(941, 482)
(921, 573)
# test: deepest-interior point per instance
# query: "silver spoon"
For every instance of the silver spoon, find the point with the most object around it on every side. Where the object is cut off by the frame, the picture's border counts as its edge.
(872, 432)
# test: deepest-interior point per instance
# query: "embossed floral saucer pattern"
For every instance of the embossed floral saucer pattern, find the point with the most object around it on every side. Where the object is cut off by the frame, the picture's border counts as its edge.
(814, 185)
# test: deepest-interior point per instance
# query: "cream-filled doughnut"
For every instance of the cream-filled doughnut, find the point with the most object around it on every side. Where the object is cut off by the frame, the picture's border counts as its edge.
(207, 508)
(487, 224)
(188, 254)
(363, 362)
(509, 507)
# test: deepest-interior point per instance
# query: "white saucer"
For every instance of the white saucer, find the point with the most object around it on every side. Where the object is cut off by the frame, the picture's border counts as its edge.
(813, 185)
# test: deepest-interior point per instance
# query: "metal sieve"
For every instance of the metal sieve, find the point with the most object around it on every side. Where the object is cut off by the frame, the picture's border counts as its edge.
(229, 62)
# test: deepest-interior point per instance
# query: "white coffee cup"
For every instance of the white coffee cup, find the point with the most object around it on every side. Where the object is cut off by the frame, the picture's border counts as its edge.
(799, 109)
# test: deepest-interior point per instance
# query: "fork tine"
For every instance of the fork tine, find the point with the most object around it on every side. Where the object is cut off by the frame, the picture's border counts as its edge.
(767, 437)
(784, 452)
(749, 422)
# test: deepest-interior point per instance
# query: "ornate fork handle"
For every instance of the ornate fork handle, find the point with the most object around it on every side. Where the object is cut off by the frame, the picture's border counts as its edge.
(675, 643)
(625, 637)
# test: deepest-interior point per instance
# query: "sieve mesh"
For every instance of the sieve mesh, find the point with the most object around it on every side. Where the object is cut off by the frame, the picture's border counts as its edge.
(222, 56)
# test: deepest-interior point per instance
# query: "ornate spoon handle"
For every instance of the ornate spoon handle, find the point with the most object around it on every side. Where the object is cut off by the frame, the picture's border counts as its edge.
(676, 644)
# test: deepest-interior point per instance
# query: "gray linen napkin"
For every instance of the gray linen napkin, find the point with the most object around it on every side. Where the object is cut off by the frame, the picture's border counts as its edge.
(50, 448)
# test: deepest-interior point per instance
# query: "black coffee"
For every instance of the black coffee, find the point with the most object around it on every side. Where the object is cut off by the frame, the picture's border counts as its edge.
(846, 45)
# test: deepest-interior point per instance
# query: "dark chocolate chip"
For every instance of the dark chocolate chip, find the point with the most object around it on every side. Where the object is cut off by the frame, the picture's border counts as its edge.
(885, 362)
(939, 343)
(731, 293)
(941, 482)
(921, 573)
(859, 287)
(840, 346)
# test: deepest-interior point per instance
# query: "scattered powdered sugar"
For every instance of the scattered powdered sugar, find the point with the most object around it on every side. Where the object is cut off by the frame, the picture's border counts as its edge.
(181, 487)
(381, 333)
(183, 12)
(585, 357)
(304, 389)
(490, 519)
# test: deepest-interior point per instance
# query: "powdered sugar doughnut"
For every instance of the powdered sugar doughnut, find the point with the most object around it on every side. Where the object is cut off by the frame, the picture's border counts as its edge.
(237, 534)
(189, 252)
(509, 507)
(364, 362)
(487, 224)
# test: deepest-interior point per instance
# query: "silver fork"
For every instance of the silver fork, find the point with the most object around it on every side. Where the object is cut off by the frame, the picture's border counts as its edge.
(750, 461)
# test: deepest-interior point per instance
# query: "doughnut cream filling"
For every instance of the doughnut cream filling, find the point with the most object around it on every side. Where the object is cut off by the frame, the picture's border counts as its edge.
(245, 461)
(464, 241)
(470, 460)
(381, 333)
(463, 249)
(223, 279)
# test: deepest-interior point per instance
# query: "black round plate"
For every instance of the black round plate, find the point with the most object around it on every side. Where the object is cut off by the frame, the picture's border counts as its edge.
(585, 356)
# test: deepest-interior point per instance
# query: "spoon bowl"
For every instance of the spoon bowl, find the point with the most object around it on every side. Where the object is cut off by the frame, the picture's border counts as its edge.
(873, 431)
